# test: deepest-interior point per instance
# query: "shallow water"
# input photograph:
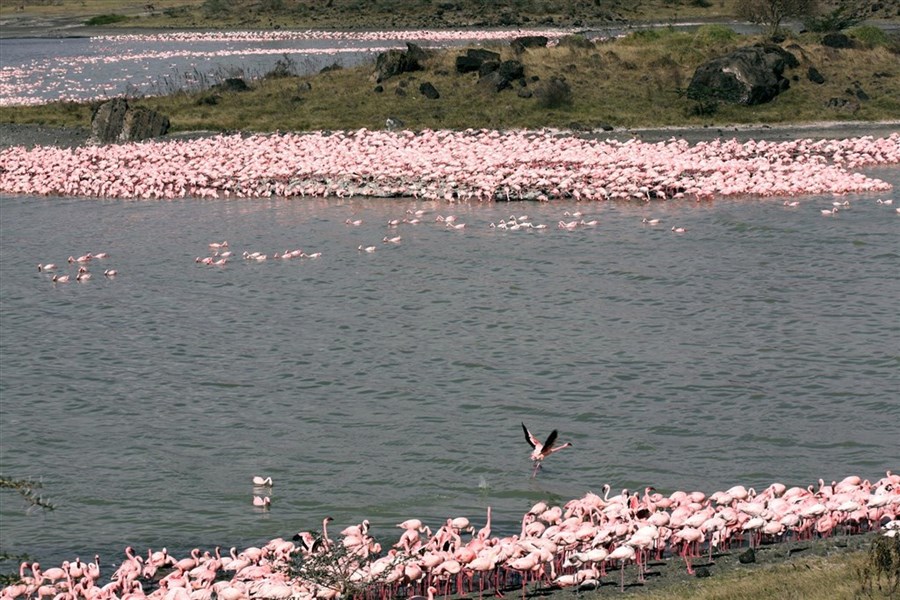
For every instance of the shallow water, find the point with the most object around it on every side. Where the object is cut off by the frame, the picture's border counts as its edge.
(761, 345)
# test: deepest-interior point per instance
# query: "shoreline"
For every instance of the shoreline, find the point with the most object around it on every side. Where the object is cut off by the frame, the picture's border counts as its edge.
(30, 135)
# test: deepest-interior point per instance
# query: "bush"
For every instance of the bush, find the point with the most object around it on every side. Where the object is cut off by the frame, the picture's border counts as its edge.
(105, 20)
(715, 34)
(576, 40)
(847, 14)
(284, 67)
(869, 36)
(554, 93)
(882, 566)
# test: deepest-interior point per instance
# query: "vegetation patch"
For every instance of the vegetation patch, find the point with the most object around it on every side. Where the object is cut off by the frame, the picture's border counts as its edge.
(109, 19)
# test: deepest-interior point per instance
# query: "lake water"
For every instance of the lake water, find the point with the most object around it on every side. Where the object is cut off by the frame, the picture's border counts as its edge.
(759, 346)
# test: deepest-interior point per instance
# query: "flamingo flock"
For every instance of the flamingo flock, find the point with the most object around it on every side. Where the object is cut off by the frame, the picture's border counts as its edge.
(81, 263)
(451, 166)
(73, 77)
(575, 545)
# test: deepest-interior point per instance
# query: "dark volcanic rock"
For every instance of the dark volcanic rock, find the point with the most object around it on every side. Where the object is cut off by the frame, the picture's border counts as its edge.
(429, 91)
(814, 75)
(519, 44)
(395, 62)
(116, 121)
(500, 76)
(488, 66)
(473, 59)
(511, 70)
(750, 75)
(837, 40)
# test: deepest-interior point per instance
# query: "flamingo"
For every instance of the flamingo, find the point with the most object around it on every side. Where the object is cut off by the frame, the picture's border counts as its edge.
(110, 273)
(678, 229)
(47, 267)
(262, 481)
(647, 221)
(541, 451)
(622, 554)
(60, 279)
(262, 502)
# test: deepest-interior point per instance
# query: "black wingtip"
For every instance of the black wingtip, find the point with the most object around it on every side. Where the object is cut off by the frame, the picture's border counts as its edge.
(527, 435)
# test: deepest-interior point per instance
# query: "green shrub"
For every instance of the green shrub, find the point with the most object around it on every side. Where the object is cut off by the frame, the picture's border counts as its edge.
(554, 93)
(847, 14)
(105, 20)
(869, 36)
(715, 34)
(882, 566)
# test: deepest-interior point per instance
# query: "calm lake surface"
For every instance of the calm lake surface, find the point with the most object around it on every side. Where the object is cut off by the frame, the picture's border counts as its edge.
(760, 346)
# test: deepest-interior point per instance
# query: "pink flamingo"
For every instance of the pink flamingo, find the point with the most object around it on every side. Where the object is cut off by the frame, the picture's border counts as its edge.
(541, 451)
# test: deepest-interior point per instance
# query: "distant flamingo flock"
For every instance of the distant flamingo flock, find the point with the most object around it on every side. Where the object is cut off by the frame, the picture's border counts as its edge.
(569, 546)
(471, 165)
(72, 78)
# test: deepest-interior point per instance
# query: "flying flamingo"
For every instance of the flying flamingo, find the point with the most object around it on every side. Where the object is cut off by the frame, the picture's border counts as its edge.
(541, 451)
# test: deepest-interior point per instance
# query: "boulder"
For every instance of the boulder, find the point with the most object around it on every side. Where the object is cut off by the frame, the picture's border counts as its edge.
(511, 70)
(814, 75)
(837, 40)
(473, 59)
(395, 62)
(429, 91)
(116, 121)
(108, 119)
(500, 76)
(142, 123)
(487, 67)
(521, 43)
(748, 76)
(393, 124)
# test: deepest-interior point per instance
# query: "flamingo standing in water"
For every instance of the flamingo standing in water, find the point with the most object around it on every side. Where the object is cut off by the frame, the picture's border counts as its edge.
(541, 451)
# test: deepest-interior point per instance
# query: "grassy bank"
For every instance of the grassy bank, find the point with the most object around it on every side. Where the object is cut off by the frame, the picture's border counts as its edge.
(630, 82)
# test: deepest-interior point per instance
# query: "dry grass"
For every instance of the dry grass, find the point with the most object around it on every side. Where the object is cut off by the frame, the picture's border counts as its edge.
(810, 579)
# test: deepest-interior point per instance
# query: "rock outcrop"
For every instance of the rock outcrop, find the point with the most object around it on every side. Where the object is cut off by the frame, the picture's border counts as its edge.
(473, 59)
(395, 62)
(748, 76)
(500, 75)
(116, 121)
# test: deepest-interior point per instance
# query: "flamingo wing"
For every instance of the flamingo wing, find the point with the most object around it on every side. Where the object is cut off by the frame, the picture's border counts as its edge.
(532, 441)
(550, 440)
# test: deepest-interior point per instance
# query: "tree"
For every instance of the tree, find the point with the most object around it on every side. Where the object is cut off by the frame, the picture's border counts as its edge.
(771, 13)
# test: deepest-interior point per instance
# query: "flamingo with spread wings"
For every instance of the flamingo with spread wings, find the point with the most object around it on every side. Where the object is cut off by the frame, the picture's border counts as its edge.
(542, 450)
